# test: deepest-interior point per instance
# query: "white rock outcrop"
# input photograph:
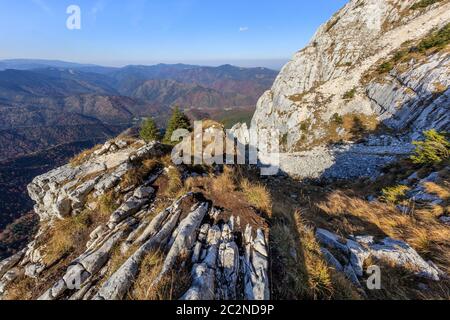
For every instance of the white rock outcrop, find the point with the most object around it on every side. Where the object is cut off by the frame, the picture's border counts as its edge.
(350, 255)
(62, 191)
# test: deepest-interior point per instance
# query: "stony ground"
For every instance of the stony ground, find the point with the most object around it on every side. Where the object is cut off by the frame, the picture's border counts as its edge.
(121, 222)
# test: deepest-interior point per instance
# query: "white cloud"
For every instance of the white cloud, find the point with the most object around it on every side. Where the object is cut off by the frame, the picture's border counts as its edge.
(41, 4)
(244, 29)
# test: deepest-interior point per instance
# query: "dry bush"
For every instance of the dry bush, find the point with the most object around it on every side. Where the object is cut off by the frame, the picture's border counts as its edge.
(171, 287)
(288, 275)
(22, 288)
(257, 195)
(137, 175)
(107, 204)
(133, 177)
(395, 194)
(440, 191)
(65, 235)
(208, 123)
(175, 183)
(225, 182)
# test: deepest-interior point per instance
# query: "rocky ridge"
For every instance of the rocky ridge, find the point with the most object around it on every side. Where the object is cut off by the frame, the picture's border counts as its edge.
(226, 260)
(332, 79)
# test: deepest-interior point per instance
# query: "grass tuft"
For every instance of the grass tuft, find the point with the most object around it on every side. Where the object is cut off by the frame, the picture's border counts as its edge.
(257, 195)
(66, 235)
(395, 194)
(80, 158)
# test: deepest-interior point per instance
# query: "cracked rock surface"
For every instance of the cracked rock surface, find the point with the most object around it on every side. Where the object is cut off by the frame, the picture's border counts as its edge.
(225, 260)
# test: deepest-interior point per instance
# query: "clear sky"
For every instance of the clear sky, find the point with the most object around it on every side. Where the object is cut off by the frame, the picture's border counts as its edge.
(119, 32)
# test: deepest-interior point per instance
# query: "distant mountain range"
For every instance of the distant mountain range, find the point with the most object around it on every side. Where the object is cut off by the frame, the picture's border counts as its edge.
(30, 64)
(44, 103)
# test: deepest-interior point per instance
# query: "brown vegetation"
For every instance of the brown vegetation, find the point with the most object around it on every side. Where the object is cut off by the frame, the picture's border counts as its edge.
(83, 156)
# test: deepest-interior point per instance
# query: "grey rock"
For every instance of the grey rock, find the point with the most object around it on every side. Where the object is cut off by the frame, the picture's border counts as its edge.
(9, 263)
(331, 259)
(310, 90)
(228, 262)
(402, 254)
(185, 239)
(351, 275)
(34, 270)
(203, 285)
(143, 192)
(445, 220)
(358, 254)
(331, 240)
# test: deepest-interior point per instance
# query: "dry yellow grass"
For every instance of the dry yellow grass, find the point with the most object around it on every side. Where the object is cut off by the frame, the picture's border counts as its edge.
(21, 289)
(171, 287)
(211, 124)
(149, 270)
(394, 194)
(299, 270)
(65, 235)
(225, 182)
(438, 190)
(439, 88)
(137, 175)
(258, 195)
(116, 260)
(175, 183)
(83, 156)
(107, 204)
(421, 229)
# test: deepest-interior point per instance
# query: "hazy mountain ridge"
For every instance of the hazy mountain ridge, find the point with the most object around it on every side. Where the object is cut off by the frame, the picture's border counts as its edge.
(118, 96)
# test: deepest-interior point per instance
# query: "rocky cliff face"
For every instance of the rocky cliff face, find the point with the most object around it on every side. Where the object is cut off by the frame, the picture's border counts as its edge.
(364, 66)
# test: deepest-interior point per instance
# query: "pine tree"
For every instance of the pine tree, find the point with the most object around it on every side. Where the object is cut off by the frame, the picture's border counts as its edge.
(149, 131)
(433, 150)
(178, 120)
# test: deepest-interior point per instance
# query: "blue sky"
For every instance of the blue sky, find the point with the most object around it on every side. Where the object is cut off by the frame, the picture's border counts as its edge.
(116, 32)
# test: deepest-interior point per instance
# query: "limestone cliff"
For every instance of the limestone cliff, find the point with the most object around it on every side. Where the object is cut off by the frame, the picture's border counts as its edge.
(366, 70)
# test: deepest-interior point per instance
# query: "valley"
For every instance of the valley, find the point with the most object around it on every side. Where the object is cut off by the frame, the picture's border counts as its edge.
(52, 110)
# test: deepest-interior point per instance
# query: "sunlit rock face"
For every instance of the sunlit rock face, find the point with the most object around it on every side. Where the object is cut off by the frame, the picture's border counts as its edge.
(336, 77)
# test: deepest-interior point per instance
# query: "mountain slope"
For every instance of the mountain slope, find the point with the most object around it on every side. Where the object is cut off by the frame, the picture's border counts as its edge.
(338, 82)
